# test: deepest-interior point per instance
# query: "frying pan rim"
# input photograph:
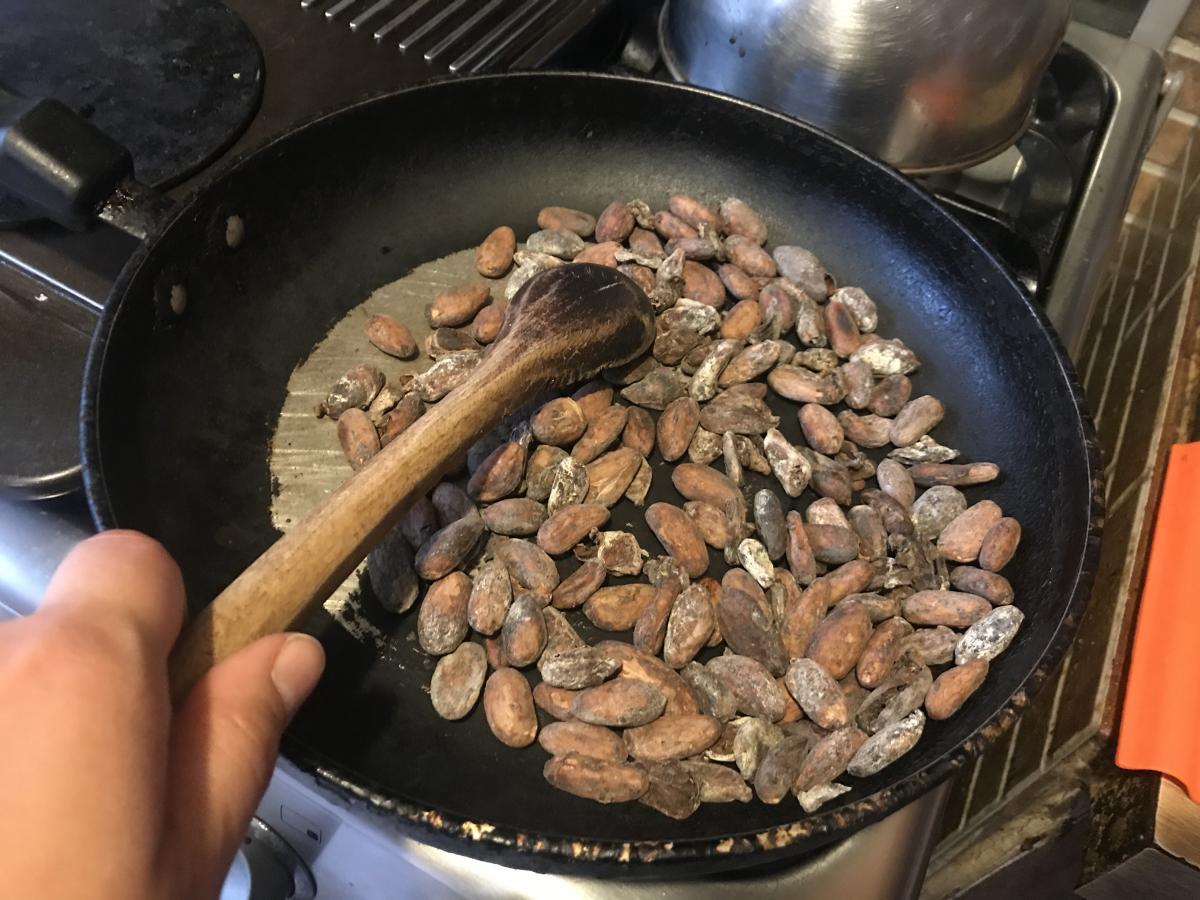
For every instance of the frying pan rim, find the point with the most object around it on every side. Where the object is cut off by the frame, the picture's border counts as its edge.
(463, 835)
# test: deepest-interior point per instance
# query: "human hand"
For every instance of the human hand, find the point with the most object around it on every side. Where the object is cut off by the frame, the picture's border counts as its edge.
(107, 791)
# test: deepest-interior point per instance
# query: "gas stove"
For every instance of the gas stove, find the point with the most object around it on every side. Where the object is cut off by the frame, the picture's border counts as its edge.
(1050, 206)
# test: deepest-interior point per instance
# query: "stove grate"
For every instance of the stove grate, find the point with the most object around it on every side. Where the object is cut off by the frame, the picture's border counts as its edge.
(459, 36)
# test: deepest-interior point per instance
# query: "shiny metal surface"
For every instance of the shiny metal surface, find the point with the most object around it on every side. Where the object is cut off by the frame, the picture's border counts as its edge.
(357, 856)
(1135, 73)
(926, 85)
(884, 861)
(34, 539)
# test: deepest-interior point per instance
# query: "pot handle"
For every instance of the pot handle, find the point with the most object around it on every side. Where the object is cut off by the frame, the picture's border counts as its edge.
(69, 171)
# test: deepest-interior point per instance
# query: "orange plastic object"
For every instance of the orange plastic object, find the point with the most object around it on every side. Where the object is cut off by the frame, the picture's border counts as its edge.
(1160, 720)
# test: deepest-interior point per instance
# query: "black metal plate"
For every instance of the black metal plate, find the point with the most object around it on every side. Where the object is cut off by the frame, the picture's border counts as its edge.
(178, 418)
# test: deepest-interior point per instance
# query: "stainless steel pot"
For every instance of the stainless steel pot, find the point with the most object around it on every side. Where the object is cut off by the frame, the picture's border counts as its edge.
(926, 85)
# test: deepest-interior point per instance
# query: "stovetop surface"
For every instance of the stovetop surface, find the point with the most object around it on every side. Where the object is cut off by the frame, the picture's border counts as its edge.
(323, 53)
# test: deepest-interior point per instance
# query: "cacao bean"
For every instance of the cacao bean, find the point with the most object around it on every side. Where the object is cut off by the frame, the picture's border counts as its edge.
(639, 431)
(801, 562)
(961, 539)
(832, 544)
(449, 547)
(555, 701)
(540, 471)
(926, 450)
(756, 692)
(458, 680)
(821, 428)
(802, 386)
(887, 357)
(895, 481)
(872, 536)
(569, 525)
(866, 431)
(579, 585)
(676, 427)
(840, 639)
(354, 390)
(882, 651)
(620, 703)
(491, 595)
(715, 698)
(650, 630)
(861, 306)
(672, 791)
(935, 509)
(844, 336)
(779, 767)
(737, 217)
(802, 267)
(748, 256)
(884, 747)
(601, 434)
(614, 223)
(999, 544)
(392, 574)
(817, 693)
(515, 517)
(602, 780)
(594, 741)
(610, 475)
(527, 564)
(951, 608)
(931, 646)
(717, 783)
(930, 473)
(672, 737)
(524, 632)
(568, 486)
(704, 448)
(391, 336)
(458, 305)
(558, 242)
(442, 619)
(992, 587)
(593, 399)
(990, 636)
(656, 390)
(616, 608)
(640, 486)
(740, 284)
(601, 254)
(828, 758)
(559, 422)
(358, 437)
(951, 689)
(499, 474)
(669, 226)
(753, 739)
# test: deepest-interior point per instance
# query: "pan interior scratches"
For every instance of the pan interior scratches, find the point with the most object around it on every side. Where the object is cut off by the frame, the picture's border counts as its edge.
(306, 461)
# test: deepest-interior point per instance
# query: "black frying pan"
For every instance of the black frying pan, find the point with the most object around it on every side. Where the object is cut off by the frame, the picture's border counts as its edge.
(178, 413)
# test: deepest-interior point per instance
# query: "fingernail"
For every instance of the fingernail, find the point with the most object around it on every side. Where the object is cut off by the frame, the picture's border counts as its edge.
(297, 667)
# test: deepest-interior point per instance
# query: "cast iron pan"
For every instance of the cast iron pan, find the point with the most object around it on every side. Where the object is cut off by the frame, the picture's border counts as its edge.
(178, 415)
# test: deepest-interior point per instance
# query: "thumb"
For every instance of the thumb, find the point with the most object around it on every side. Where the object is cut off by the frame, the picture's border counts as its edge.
(224, 740)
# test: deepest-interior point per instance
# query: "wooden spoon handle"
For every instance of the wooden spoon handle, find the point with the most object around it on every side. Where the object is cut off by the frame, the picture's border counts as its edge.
(307, 563)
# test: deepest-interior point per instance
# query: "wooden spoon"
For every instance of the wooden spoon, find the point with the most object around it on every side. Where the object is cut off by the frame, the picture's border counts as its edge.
(563, 326)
